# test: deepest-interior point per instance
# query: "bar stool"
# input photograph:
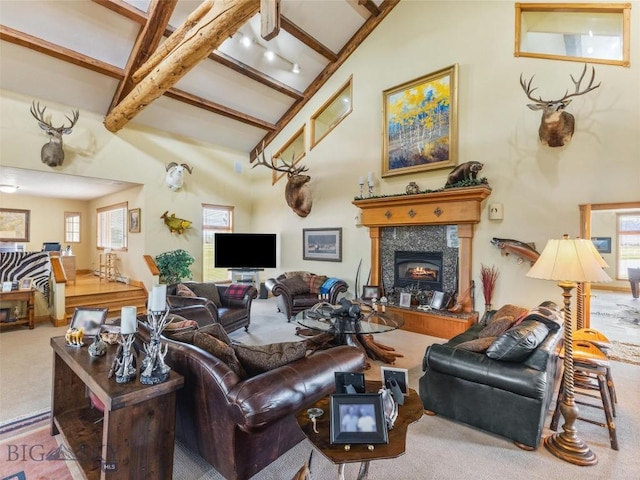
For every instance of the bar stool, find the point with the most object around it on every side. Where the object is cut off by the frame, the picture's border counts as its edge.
(603, 343)
(590, 374)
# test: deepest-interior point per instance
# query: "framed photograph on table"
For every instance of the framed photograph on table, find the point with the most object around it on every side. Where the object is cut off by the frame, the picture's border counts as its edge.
(323, 244)
(90, 319)
(349, 382)
(405, 300)
(400, 375)
(26, 283)
(358, 419)
(370, 292)
(420, 123)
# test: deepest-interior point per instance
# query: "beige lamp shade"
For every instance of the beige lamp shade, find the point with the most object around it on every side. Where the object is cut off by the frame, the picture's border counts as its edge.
(570, 260)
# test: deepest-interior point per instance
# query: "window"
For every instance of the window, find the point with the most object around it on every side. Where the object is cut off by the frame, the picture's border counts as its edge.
(71, 227)
(215, 218)
(336, 109)
(112, 227)
(628, 243)
(292, 152)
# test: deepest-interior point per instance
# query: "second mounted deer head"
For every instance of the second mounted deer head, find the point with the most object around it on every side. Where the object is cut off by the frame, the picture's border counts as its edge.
(557, 125)
(297, 192)
(52, 153)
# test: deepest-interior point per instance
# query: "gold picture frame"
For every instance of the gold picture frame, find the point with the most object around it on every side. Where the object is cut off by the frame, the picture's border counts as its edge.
(26, 283)
(420, 124)
(134, 220)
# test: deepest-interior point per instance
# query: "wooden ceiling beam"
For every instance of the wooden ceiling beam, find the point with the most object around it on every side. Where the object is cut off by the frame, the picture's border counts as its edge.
(213, 107)
(61, 53)
(146, 43)
(369, 5)
(296, 32)
(363, 32)
(124, 9)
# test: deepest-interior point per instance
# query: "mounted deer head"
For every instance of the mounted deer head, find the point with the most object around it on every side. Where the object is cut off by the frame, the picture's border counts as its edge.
(52, 153)
(556, 126)
(297, 192)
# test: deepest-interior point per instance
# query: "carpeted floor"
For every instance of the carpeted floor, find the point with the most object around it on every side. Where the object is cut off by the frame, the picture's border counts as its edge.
(437, 448)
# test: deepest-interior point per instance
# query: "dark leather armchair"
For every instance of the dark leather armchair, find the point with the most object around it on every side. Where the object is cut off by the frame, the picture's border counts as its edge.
(241, 426)
(294, 298)
(232, 312)
(510, 399)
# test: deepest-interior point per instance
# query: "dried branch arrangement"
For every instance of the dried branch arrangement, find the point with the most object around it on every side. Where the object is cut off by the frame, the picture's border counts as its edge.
(488, 276)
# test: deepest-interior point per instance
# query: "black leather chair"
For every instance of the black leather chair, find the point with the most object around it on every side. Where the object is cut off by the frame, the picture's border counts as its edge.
(510, 399)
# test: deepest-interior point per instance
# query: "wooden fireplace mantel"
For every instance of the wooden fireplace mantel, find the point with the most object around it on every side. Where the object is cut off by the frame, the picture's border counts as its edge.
(454, 206)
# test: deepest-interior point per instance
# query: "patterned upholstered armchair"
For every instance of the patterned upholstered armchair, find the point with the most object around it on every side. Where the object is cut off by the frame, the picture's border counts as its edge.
(298, 291)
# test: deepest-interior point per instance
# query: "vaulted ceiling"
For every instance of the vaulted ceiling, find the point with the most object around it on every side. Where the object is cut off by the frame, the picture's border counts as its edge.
(84, 54)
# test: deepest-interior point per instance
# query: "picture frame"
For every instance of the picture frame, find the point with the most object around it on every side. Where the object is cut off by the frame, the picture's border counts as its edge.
(358, 419)
(344, 380)
(405, 300)
(323, 244)
(410, 143)
(602, 244)
(400, 375)
(14, 225)
(90, 319)
(134, 220)
(4, 315)
(7, 286)
(437, 299)
(370, 292)
(26, 283)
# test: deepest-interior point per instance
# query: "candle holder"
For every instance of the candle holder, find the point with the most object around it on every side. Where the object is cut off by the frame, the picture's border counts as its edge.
(370, 189)
(124, 364)
(153, 369)
(362, 190)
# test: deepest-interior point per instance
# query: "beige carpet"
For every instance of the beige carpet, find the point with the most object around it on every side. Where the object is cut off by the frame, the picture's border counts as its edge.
(437, 448)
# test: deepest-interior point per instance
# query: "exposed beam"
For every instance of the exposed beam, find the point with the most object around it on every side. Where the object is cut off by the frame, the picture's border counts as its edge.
(146, 43)
(219, 109)
(61, 53)
(126, 10)
(295, 31)
(355, 41)
(369, 5)
(222, 21)
(269, 19)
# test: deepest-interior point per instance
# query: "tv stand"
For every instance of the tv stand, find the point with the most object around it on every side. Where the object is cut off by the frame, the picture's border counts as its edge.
(246, 275)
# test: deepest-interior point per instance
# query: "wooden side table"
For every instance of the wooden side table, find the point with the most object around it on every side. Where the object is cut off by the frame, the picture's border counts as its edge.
(133, 438)
(27, 296)
(411, 411)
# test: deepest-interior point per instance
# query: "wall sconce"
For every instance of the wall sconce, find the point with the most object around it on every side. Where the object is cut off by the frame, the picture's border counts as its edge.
(8, 188)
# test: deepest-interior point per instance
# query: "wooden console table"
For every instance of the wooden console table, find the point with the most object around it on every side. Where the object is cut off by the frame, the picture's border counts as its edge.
(134, 438)
(434, 322)
(27, 296)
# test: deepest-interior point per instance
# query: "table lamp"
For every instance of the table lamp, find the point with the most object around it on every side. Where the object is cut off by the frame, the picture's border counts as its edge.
(569, 261)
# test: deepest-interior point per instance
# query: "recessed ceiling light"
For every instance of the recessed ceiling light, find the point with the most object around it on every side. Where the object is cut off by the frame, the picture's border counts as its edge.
(8, 188)
(245, 41)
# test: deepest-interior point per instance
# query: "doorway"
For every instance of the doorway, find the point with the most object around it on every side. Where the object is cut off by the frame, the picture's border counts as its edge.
(610, 308)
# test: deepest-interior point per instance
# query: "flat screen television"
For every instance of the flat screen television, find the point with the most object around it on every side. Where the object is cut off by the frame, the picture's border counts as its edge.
(245, 250)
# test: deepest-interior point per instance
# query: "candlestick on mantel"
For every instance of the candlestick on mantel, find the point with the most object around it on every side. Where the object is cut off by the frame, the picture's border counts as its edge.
(128, 320)
(158, 299)
(370, 178)
(361, 180)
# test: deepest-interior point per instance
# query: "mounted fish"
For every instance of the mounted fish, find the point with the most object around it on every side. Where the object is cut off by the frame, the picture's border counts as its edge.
(175, 224)
(524, 251)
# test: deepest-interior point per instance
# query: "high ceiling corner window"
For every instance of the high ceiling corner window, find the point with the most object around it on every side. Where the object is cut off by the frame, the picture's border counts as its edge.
(332, 113)
(292, 152)
(112, 227)
(215, 218)
(578, 32)
(71, 227)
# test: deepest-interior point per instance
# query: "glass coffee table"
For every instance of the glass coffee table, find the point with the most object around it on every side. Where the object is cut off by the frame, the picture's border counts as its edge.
(346, 330)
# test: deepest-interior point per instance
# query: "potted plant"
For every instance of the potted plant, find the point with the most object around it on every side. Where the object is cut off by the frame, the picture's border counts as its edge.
(174, 265)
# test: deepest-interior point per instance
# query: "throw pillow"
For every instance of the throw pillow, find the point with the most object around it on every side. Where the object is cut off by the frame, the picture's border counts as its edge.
(509, 309)
(551, 317)
(478, 345)
(207, 290)
(517, 343)
(217, 330)
(315, 282)
(496, 326)
(257, 359)
(296, 285)
(180, 329)
(183, 291)
(300, 273)
(221, 350)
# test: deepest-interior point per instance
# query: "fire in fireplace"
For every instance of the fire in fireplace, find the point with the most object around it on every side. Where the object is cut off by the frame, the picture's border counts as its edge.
(422, 269)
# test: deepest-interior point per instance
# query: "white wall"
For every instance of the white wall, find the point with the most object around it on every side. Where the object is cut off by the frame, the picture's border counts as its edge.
(540, 187)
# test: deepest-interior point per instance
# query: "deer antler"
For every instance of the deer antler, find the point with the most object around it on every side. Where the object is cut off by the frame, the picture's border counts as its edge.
(38, 114)
(288, 168)
(526, 86)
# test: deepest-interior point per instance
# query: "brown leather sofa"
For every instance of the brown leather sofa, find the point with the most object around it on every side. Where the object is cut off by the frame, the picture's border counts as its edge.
(241, 426)
(293, 297)
(233, 313)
